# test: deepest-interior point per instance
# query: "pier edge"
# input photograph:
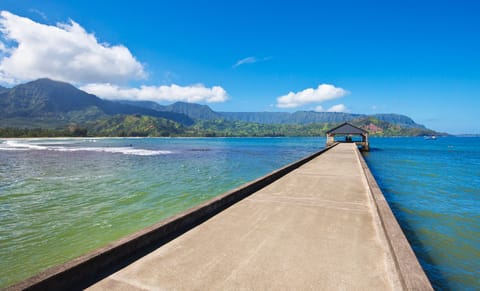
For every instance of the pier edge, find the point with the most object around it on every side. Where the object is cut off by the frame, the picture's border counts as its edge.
(412, 275)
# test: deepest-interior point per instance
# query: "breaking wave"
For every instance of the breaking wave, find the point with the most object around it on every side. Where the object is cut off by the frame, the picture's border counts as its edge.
(14, 145)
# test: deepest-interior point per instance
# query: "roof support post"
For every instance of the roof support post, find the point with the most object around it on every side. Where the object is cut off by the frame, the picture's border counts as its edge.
(330, 139)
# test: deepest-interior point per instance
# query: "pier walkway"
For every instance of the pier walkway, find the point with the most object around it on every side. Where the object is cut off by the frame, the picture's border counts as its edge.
(320, 223)
(317, 228)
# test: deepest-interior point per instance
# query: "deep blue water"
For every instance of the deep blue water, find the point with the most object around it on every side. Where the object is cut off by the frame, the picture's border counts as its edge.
(433, 188)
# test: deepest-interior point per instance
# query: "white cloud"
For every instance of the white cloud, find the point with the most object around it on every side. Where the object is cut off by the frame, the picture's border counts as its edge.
(192, 94)
(319, 108)
(323, 93)
(66, 52)
(334, 108)
(63, 52)
(338, 108)
(247, 60)
(250, 60)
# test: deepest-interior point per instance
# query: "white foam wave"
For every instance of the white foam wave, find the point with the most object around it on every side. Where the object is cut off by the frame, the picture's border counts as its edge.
(12, 145)
(114, 150)
(15, 145)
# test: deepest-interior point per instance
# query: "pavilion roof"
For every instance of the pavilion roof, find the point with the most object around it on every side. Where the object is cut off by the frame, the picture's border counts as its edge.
(346, 128)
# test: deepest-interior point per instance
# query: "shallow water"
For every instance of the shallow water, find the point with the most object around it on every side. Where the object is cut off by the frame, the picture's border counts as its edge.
(60, 198)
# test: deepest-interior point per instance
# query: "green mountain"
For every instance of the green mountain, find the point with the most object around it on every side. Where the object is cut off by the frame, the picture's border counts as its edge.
(50, 108)
(204, 113)
(309, 117)
(133, 125)
(228, 128)
(58, 102)
(397, 119)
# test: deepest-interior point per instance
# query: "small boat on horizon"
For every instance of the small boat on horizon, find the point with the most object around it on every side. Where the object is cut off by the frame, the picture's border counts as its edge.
(430, 137)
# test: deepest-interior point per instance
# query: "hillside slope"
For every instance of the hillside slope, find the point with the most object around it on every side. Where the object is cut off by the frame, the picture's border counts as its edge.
(48, 99)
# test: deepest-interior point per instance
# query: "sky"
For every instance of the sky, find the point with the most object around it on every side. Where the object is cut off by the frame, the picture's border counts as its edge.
(417, 58)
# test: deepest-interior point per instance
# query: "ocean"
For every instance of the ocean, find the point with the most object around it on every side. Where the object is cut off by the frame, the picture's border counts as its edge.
(433, 188)
(60, 198)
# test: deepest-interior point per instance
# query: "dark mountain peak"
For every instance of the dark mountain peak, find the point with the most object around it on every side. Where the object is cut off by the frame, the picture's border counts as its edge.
(46, 81)
(49, 88)
(38, 97)
(48, 84)
(54, 99)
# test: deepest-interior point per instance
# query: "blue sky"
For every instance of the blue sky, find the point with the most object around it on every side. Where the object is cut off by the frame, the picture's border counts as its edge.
(418, 58)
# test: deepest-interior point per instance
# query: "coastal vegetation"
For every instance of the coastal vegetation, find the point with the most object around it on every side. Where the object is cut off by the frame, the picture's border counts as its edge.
(148, 126)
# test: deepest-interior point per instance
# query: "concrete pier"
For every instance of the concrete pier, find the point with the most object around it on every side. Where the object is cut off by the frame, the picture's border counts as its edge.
(317, 228)
(318, 224)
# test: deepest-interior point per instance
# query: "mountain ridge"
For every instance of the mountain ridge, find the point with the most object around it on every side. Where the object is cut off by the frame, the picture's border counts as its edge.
(204, 112)
(49, 104)
(54, 99)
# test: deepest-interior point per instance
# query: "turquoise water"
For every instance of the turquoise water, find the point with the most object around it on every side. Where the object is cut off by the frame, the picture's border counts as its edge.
(60, 198)
(433, 188)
